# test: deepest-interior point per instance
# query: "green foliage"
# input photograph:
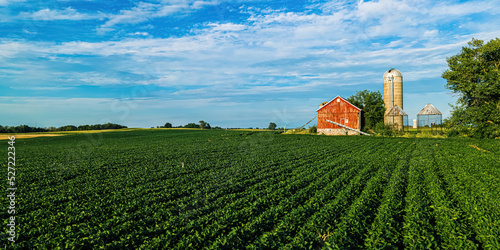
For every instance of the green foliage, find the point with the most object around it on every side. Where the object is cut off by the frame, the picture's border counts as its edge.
(372, 105)
(223, 189)
(474, 73)
(452, 133)
(383, 129)
(272, 126)
(313, 129)
(191, 125)
(168, 125)
(27, 129)
(204, 125)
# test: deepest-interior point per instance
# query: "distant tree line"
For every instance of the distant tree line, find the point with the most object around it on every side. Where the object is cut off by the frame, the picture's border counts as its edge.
(27, 129)
(205, 125)
(202, 125)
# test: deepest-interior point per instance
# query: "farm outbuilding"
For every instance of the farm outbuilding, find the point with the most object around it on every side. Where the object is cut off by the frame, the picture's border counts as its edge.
(398, 116)
(339, 111)
(429, 116)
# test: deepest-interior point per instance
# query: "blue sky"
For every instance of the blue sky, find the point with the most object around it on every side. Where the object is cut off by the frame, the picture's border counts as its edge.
(230, 63)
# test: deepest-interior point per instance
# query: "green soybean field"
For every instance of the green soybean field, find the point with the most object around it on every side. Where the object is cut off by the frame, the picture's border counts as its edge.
(234, 189)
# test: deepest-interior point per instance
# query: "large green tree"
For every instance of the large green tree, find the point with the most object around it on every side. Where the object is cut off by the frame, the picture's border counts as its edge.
(272, 126)
(372, 105)
(204, 125)
(474, 74)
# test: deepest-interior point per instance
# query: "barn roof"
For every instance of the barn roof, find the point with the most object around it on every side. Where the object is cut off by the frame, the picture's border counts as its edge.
(336, 98)
(396, 111)
(429, 109)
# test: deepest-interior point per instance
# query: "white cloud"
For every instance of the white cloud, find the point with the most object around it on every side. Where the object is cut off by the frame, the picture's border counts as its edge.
(6, 3)
(30, 32)
(94, 79)
(431, 33)
(137, 14)
(9, 48)
(139, 34)
(381, 9)
(447, 9)
(64, 14)
(227, 26)
(42, 88)
(145, 11)
(415, 19)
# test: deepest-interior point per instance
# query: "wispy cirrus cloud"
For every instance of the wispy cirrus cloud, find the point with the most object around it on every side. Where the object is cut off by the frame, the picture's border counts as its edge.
(6, 3)
(145, 11)
(63, 14)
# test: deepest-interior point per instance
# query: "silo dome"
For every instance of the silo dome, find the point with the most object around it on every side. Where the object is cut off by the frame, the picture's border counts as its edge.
(393, 72)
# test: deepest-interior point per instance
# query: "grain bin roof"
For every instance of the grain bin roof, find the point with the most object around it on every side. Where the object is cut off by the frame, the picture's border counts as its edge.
(429, 110)
(392, 72)
(396, 111)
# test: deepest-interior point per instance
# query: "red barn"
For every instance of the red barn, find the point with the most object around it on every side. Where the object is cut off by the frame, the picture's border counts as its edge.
(340, 111)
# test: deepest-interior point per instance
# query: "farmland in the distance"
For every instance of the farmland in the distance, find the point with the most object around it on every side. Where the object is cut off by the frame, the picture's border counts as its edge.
(187, 189)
